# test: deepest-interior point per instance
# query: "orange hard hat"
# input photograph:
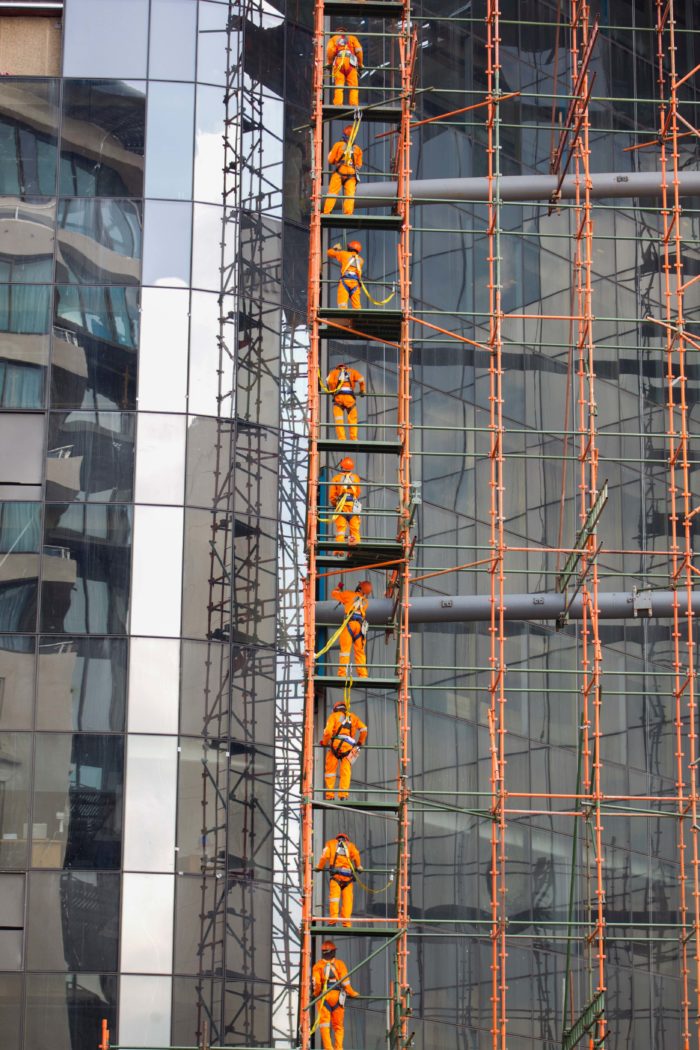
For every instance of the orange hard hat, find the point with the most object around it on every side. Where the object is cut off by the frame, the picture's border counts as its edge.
(328, 946)
(347, 463)
(342, 835)
(347, 130)
(340, 705)
(354, 246)
(364, 587)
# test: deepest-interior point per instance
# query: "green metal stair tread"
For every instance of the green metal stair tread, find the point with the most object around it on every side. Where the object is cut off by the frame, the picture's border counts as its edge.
(335, 682)
(361, 221)
(338, 445)
(370, 545)
(364, 8)
(390, 114)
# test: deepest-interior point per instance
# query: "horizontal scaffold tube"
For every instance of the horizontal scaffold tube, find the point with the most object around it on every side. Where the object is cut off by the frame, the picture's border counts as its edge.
(530, 187)
(615, 605)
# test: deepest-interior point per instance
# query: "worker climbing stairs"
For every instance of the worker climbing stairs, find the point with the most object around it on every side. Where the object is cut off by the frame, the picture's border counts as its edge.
(359, 530)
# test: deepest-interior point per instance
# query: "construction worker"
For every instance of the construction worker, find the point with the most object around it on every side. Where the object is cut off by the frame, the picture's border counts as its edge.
(354, 635)
(343, 859)
(345, 59)
(344, 495)
(330, 980)
(341, 383)
(351, 264)
(343, 737)
(346, 160)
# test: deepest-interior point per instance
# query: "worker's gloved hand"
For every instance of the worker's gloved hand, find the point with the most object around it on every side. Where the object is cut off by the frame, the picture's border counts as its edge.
(362, 393)
(321, 869)
(337, 246)
(321, 744)
(359, 868)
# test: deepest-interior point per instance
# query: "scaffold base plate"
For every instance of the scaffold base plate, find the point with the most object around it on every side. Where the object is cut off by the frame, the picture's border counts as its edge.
(360, 324)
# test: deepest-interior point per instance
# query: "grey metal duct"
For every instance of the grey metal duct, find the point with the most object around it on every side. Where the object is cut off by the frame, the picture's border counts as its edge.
(614, 605)
(529, 187)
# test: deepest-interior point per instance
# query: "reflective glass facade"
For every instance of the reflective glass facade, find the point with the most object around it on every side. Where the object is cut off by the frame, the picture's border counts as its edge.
(153, 223)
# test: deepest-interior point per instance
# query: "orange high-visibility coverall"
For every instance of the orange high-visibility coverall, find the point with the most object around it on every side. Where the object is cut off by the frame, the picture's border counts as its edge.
(344, 177)
(342, 382)
(354, 634)
(342, 858)
(344, 490)
(351, 265)
(332, 974)
(345, 57)
(342, 735)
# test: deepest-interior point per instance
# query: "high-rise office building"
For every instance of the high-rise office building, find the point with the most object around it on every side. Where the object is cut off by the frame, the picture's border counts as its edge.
(160, 165)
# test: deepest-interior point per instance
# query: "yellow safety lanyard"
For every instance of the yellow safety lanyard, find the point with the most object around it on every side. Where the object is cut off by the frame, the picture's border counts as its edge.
(339, 509)
(322, 1000)
(358, 277)
(348, 155)
(336, 635)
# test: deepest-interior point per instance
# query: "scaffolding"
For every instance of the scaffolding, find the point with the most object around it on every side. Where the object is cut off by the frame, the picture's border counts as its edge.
(385, 27)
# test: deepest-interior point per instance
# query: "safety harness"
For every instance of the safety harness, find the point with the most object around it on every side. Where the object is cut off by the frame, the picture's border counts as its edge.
(343, 49)
(347, 504)
(348, 157)
(330, 984)
(348, 873)
(353, 614)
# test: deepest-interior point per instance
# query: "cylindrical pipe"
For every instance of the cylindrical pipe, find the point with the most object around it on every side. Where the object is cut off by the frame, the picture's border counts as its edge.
(613, 605)
(528, 187)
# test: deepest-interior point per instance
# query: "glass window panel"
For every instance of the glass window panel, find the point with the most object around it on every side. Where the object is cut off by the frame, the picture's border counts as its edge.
(209, 149)
(147, 923)
(86, 568)
(144, 1010)
(15, 768)
(26, 241)
(108, 38)
(102, 139)
(99, 241)
(17, 677)
(164, 323)
(90, 456)
(19, 565)
(154, 676)
(11, 1008)
(160, 460)
(95, 335)
(170, 120)
(166, 248)
(73, 921)
(211, 43)
(204, 333)
(82, 684)
(206, 249)
(150, 805)
(63, 1011)
(28, 137)
(12, 901)
(77, 811)
(24, 434)
(24, 344)
(173, 31)
(157, 582)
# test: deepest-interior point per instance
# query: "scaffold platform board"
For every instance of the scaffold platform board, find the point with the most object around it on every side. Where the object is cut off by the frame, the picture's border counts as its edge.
(371, 447)
(336, 219)
(360, 806)
(373, 8)
(378, 114)
(357, 556)
(354, 931)
(332, 681)
(360, 324)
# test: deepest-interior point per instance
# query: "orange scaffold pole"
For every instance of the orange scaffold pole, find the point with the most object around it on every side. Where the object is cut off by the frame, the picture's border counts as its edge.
(314, 301)
(582, 37)
(497, 696)
(680, 515)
